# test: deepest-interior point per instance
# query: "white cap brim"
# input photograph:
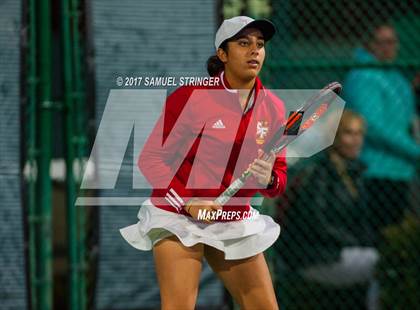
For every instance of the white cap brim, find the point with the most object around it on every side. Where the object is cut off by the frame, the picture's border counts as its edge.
(266, 27)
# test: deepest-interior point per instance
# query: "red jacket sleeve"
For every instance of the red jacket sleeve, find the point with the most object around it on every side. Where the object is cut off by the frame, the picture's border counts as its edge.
(158, 157)
(279, 175)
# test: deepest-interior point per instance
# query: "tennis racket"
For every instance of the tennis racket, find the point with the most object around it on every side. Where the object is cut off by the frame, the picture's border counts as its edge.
(289, 132)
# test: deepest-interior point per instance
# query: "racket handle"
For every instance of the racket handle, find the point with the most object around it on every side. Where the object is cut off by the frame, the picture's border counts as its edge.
(235, 186)
(232, 189)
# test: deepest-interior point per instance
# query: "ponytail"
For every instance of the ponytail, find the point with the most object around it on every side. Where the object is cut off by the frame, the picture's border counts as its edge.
(214, 65)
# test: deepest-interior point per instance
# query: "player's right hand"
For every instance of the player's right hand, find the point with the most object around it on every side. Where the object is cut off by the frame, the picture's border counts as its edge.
(195, 205)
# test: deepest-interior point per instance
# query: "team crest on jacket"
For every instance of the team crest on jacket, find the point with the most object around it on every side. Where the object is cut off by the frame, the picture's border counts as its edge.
(262, 131)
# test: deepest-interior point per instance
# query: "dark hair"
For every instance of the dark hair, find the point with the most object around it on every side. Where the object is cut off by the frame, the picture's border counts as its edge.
(214, 64)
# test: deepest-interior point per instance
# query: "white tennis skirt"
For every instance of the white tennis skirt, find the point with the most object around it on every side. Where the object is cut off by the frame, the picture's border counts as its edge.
(237, 239)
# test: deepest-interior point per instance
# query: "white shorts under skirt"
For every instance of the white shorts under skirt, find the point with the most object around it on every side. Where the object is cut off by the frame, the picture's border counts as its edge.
(237, 239)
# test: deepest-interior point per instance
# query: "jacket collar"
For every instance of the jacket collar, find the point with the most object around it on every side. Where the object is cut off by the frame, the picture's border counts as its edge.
(224, 84)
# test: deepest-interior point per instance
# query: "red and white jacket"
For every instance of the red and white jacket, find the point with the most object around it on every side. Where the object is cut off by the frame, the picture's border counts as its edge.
(203, 140)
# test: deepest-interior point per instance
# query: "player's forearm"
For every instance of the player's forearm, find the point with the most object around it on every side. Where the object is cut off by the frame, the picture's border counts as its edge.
(277, 186)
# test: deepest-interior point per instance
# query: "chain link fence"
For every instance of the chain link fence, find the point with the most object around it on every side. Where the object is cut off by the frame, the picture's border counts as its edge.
(350, 220)
(350, 226)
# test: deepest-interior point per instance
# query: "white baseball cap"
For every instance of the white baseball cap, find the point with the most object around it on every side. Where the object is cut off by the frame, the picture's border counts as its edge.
(230, 27)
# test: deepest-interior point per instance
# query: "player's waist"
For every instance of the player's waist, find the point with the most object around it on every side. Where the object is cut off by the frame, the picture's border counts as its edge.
(179, 197)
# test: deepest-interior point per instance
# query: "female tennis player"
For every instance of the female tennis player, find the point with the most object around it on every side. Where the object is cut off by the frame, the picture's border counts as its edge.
(205, 138)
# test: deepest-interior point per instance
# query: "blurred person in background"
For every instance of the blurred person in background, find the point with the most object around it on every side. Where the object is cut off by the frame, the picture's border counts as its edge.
(326, 239)
(384, 97)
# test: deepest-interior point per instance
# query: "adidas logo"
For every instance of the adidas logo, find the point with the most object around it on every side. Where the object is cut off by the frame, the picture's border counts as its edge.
(218, 125)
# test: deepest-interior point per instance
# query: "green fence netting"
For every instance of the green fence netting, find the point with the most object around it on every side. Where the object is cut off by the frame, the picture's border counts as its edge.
(350, 222)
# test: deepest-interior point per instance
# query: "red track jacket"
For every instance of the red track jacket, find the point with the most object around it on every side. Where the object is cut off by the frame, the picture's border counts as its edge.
(203, 141)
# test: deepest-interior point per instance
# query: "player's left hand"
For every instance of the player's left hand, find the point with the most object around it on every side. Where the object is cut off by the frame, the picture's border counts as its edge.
(261, 169)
